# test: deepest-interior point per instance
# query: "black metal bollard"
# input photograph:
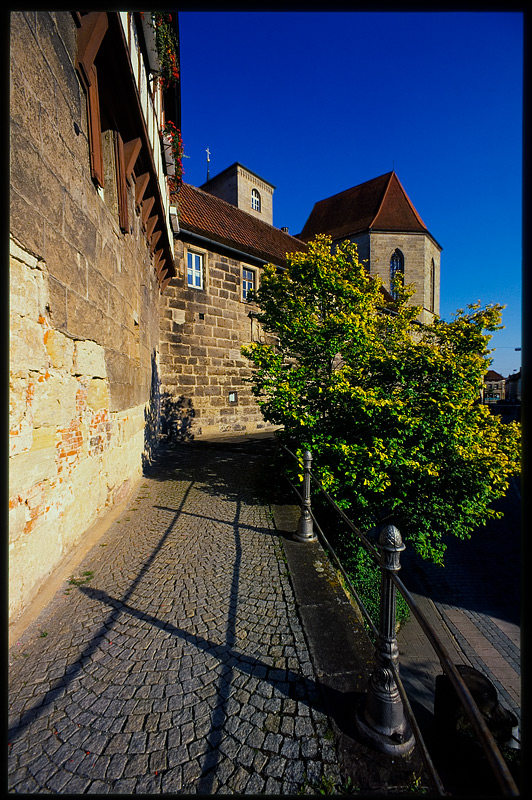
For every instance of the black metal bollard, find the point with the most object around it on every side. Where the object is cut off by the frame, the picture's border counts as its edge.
(380, 719)
(305, 528)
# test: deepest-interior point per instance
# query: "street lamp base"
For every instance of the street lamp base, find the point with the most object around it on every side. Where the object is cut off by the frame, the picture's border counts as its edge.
(399, 741)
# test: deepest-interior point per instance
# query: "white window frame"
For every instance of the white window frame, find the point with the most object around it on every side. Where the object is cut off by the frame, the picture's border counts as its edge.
(245, 281)
(256, 203)
(195, 269)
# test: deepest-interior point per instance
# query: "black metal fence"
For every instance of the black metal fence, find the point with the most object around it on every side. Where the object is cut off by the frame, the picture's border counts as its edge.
(385, 719)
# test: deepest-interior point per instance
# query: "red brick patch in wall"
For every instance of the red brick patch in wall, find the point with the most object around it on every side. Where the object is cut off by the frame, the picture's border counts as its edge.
(69, 446)
(37, 502)
(99, 432)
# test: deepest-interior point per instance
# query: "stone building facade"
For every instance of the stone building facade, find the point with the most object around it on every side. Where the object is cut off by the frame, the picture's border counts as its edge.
(494, 389)
(244, 189)
(206, 317)
(92, 248)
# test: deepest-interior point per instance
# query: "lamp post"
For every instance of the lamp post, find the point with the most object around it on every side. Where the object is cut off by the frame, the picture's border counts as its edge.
(305, 528)
(380, 719)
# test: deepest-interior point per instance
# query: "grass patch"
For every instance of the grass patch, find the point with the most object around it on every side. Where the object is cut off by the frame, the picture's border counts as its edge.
(85, 577)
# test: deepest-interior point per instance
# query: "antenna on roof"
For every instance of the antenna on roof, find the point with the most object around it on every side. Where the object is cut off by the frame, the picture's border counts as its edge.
(208, 160)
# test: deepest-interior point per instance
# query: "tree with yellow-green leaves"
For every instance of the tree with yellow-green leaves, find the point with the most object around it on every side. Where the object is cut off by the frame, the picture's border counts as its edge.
(389, 408)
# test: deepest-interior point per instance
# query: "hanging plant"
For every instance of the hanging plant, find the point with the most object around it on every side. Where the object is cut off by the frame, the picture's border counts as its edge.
(167, 48)
(172, 134)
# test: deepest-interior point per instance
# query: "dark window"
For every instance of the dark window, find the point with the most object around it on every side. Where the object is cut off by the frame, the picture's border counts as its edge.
(432, 286)
(397, 269)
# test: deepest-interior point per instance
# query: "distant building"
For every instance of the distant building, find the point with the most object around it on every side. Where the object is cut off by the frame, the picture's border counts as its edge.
(494, 387)
(391, 237)
(205, 313)
(513, 387)
(244, 189)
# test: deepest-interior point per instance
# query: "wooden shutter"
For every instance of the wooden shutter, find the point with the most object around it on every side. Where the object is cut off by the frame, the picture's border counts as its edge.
(95, 129)
(90, 34)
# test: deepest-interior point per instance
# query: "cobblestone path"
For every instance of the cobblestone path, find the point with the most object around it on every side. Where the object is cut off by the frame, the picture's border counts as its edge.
(175, 662)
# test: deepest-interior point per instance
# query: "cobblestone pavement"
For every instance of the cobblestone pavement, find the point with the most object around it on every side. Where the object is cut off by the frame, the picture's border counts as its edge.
(474, 603)
(174, 660)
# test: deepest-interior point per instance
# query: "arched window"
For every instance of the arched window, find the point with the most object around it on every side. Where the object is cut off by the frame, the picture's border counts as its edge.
(255, 200)
(432, 286)
(397, 266)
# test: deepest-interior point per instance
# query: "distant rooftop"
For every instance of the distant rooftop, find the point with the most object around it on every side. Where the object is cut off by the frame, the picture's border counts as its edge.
(206, 215)
(378, 204)
(205, 186)
(491, 375)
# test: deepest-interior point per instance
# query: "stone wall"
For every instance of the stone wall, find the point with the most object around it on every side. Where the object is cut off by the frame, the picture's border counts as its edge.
(83, 314)
(418, 251)
(234, 185)
(375, 249)
(202, 332)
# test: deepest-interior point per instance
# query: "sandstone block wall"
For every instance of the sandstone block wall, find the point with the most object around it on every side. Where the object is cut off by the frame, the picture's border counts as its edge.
(83, 313)
(418, 251)
(202, 332)
(234, 185)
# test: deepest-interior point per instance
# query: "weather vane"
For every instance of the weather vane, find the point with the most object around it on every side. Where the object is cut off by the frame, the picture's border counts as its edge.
(208, 160)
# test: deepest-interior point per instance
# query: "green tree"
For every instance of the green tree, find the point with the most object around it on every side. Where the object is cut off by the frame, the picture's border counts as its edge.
(389, 407)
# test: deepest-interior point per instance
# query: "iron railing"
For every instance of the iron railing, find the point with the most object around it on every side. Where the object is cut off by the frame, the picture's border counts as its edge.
(381, 721)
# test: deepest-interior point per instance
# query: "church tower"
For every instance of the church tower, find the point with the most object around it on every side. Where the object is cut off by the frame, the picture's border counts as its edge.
(244, 189)
(392, 238)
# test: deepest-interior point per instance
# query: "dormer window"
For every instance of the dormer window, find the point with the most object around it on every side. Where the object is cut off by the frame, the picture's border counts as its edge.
(255, 200)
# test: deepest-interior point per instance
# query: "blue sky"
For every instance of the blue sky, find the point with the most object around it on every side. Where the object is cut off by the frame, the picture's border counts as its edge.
(318, 102)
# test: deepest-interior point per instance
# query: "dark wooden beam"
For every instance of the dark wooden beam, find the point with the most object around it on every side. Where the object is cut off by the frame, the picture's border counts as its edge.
(131, 153)
(150, 225)
(141, 186)
(147, 206)
(156, 235)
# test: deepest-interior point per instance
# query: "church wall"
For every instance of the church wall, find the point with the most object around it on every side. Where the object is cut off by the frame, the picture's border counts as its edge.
(235, 184)
(83, 316)
(363, 246)
(202, 331)
(246, 182)
(224, 186)
(432, 252)
(417, 250)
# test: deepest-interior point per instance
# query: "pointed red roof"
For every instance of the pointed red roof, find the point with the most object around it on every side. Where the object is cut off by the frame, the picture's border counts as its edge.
(379, 204)
(207, 215)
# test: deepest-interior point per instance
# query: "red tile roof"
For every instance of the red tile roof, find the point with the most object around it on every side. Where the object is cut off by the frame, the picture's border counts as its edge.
(379, 204)
(206, 215)
(491, 375)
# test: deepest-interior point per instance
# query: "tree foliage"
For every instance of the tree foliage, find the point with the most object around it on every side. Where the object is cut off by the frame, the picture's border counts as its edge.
(388, 407)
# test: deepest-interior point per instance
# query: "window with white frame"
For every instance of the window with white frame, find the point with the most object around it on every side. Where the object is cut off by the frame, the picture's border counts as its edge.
(255, 200)
(248, 282)
(195, 264)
